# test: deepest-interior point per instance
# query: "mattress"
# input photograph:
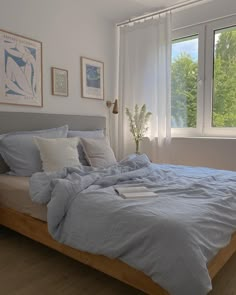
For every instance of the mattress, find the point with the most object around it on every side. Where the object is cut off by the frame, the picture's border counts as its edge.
(14, 194)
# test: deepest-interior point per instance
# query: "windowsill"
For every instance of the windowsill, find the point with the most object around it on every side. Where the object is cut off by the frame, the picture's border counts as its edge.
(204, 137)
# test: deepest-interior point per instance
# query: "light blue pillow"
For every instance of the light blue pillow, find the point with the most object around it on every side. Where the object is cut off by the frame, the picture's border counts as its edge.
(85, 134)
(20, 152)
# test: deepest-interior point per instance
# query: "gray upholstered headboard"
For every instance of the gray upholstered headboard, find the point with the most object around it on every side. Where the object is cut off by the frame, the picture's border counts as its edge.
(14, 121)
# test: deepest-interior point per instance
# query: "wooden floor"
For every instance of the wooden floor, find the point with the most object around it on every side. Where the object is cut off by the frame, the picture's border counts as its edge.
(28, 268)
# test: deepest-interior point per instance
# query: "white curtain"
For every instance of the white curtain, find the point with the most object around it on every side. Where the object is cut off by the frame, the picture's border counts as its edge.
(144, 77)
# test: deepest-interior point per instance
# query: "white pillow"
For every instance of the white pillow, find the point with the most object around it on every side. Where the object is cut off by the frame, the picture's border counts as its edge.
(98, 152)
(58, 153)
(85, 134)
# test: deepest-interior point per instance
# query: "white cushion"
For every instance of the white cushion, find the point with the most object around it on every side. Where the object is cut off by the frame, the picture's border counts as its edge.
(98, 152)
(58, 153)
(85, 134)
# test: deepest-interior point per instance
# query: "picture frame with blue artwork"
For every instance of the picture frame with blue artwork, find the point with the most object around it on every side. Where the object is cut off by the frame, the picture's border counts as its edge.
(20, 70)
(92, 78)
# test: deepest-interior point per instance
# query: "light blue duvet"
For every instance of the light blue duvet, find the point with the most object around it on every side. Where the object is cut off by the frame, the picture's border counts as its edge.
(171, 237)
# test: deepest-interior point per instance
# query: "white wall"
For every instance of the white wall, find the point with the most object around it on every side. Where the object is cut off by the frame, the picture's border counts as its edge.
(206, 152)
(203, 12)
(211, 152)
(68, 30)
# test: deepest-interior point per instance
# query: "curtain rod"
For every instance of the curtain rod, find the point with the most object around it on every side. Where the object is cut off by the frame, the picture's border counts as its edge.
(170, 8)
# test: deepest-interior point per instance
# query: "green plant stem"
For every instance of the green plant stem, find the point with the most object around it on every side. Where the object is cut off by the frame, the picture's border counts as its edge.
(137, 142)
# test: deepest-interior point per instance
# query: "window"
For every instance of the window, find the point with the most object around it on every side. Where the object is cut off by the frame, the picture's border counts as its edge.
(203, 100)
(184, 81)
(224, 88)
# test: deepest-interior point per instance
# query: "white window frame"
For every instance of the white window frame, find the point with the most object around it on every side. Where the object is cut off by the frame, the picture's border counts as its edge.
(205, 79)
(209, 82)
(185, 33)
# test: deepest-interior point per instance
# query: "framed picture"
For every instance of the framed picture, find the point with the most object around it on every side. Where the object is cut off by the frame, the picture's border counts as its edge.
(20, 70)
(92, 78)
(59, 82)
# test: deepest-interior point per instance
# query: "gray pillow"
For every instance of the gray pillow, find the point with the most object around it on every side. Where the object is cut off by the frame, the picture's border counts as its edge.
(3, 166)
(98, 152)
(20, 152)
(85, 134)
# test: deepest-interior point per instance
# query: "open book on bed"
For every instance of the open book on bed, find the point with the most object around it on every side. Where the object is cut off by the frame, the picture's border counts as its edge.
(134, 192)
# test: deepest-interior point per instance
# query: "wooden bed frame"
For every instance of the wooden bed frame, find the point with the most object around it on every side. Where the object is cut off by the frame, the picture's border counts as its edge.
(37, 230)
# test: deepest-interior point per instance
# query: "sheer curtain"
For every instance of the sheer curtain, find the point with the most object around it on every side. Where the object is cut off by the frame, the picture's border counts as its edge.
(144, 77)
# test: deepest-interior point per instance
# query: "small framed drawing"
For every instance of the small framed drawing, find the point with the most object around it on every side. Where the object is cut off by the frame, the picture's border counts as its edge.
(92, 78)
(20, 70)
(59, 82)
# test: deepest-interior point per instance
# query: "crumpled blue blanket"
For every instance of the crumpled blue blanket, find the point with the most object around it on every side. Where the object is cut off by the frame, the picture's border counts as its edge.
(171, 237)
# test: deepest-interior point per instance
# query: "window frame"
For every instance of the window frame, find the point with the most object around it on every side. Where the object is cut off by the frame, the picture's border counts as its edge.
(185, 33)
(206, 34)
(209, 82)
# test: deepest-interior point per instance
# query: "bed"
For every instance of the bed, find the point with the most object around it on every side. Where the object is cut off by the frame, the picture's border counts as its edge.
(34, 225)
